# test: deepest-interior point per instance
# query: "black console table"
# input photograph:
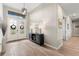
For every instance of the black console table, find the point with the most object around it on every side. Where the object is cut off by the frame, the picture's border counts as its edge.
(37, 38)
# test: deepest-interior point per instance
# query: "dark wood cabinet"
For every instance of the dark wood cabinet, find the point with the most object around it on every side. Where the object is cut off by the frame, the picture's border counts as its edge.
(37, 38)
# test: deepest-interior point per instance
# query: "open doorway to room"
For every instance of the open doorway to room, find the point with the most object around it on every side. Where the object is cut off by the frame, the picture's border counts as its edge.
(71, 44)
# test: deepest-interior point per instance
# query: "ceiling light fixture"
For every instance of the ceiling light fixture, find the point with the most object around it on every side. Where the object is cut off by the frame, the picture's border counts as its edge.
(74, 15)
(24, 10)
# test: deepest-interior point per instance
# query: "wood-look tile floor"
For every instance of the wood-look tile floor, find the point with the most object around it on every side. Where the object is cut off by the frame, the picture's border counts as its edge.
(70, 47)
(28, 48)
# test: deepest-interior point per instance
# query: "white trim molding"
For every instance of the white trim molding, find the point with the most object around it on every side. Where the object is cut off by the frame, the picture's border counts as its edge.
(53, 46)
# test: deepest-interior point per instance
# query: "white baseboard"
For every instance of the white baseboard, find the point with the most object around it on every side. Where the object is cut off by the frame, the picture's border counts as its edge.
(53, 46)
(60, 45)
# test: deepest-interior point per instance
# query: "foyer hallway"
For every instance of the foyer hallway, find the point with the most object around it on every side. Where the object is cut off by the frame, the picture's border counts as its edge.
(28, 48)
(70, 47)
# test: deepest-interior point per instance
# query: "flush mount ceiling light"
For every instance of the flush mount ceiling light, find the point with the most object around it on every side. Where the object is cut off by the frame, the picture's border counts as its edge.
(74, 14)
(24, 10)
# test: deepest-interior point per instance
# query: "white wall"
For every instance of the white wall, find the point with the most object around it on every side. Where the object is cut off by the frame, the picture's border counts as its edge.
(1, 37)
(68, 28)
(46, 18)
(18, 6)
(1, 18)
(1, 11)
(60, 27)
(75, 30)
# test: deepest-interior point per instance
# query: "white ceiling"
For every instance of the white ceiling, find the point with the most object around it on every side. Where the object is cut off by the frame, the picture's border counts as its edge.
(19, 6)
(71, 8)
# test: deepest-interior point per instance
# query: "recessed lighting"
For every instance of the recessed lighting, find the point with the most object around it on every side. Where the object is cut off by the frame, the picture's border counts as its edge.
(74, 14)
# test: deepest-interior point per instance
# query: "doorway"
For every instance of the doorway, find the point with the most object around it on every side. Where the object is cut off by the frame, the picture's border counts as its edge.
(16, 28)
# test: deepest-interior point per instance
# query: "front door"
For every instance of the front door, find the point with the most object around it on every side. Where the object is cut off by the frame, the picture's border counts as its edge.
(21, 28)
(12, 28)
(16, 28)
